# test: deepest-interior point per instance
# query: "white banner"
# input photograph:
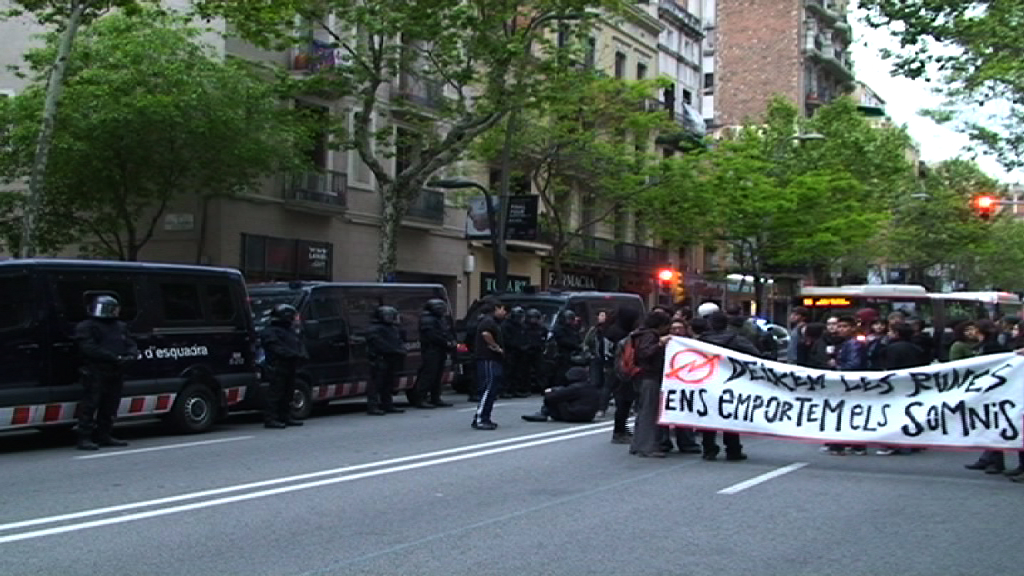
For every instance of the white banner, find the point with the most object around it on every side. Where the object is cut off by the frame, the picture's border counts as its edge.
(973, 403)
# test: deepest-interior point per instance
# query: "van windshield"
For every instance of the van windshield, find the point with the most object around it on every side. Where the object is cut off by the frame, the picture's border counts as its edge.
(263, 301)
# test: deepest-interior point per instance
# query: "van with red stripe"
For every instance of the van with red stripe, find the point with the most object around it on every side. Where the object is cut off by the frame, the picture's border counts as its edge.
(192, 324)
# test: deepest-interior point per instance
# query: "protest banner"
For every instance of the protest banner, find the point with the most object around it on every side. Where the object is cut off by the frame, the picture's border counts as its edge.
(972, 403)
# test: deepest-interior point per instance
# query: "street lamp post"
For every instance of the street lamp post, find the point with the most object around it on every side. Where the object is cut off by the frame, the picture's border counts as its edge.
(497, 231)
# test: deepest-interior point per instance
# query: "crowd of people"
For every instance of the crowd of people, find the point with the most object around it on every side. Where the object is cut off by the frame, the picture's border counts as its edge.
(586, 376)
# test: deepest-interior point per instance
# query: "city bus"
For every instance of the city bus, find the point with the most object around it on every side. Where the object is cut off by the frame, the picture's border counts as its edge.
(975, 305)
(826, 301)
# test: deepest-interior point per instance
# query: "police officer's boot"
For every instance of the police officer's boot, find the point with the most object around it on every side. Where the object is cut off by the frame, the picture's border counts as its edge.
(85, 442)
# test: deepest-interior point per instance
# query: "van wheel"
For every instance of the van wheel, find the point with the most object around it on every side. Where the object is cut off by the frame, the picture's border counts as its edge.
(194, 410)
(302, 401)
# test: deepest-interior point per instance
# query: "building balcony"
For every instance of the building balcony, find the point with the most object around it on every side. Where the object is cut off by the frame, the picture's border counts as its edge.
(690, 131)
(583, 248)
(317, 192)
(681, 17)
(420, 91)
(313, 57)
(828, 10)
(835, 59)
(428, 207)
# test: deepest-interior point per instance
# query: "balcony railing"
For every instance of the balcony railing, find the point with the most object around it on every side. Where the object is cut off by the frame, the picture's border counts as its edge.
(427, 207)
(328, 187)
(420, 91)
(683, 15)
(609, 251)
(827, 9)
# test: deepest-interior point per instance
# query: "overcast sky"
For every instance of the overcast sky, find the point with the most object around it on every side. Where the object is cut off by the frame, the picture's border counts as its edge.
(905, 97)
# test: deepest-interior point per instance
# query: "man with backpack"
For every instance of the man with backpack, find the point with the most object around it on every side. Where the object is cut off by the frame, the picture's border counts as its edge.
(626, 321)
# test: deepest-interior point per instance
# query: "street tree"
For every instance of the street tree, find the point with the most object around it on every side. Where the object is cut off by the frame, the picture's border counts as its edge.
(150, 114)
(783, 204)
(935, 231)
(64, 17)
(970, 51)
(449, 71)
(584, 144)
(1000, 257)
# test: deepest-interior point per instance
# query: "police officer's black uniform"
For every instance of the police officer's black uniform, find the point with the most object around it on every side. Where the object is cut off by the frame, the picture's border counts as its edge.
(514, 339)
(533, 359)
(106, 346)
(437, 340)
(386, 350)
(567, 342)
(284, 349)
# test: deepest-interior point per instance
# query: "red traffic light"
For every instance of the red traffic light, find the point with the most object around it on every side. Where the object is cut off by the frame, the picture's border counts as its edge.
(666, 274)
(985, 206)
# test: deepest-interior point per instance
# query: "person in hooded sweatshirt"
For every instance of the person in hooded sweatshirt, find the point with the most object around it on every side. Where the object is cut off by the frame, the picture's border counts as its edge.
(720, 335)
(579, 401)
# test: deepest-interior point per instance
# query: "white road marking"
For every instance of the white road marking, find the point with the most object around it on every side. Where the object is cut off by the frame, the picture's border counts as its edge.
(165, 447)
(762, 478)
(499, 405)
(293, 488)
(296, 478)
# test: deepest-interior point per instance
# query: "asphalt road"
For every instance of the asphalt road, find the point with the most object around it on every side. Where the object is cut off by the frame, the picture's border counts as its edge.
(422, 494)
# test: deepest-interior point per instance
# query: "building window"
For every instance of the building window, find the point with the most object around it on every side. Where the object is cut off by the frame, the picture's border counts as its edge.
(709, 80)
(318, 153)
(267, 259)
(590, 56)
(641, 70)
(563, 35)
(687, 97)
(620, 65)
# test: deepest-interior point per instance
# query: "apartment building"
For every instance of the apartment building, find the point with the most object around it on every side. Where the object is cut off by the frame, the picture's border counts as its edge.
(324, 224)
(757, 49)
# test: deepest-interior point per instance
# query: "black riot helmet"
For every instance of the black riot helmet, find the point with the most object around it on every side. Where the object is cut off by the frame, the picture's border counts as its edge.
(104, 307)
(284, 314)
(518, 314)
(534, 315)
(386, 315)
(436, 306)
(568, 317)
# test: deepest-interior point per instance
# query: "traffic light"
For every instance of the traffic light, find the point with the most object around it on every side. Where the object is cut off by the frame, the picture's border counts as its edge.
(986, 206)
(679, 288)
(665, 278)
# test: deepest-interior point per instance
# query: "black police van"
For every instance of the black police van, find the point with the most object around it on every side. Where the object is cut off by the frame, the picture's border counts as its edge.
(586, 305)
(192, 324)
(335, 317)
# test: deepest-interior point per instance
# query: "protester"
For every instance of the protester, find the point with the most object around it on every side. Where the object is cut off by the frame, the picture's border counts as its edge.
(576, 402)
(720, 335)
(991, 461)
(965, 341)
(798, 318)
(626, 321)
(649, 344)
(685, 438)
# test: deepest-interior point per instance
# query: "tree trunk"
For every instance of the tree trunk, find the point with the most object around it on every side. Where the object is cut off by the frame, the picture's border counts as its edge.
(558, 274)
(204, 211)
(390, 220)
(53, 89)
(501, 262)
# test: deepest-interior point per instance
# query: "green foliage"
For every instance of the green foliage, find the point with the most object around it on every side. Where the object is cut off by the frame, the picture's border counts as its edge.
(1000, 258)
(452, 69)
(149, 114)
(781, 201)
(972, 50)
(935, 226)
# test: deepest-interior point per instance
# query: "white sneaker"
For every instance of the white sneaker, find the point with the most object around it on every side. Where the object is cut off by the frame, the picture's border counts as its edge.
(885, 452)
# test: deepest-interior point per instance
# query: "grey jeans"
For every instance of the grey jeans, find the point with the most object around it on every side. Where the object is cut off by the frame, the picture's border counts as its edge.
(645, 431)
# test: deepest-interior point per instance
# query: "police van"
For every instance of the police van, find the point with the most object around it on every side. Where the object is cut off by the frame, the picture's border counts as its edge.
(334, 318)
(192, 324)
(586, 305)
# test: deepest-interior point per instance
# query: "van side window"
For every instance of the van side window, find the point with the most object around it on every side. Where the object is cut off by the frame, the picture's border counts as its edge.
(180, 302)
(359, 308)
(222, 306)
(74, 293)
(16, 304)
(325, 308)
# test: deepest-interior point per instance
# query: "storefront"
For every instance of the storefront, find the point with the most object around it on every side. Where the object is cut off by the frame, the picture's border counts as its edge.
(270, 259)
(599, 279)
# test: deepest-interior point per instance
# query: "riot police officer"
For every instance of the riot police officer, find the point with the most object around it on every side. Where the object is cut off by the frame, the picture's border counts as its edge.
(106, 346)
(437, 340)
(386, 350)
(566, 342)
(284, 350)
(513, 335)
(533, 359)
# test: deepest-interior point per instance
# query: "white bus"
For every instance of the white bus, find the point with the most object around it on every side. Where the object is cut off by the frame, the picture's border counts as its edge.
(825, 301)
(976, 305)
